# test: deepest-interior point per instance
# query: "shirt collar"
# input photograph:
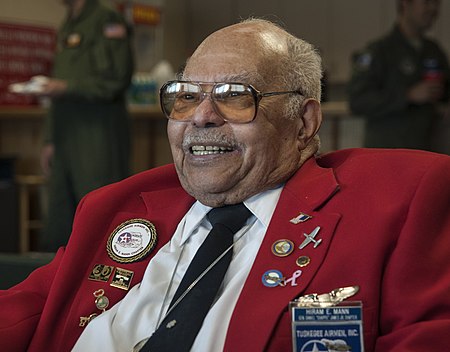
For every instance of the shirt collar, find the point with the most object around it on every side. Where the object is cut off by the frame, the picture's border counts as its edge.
(262, 205)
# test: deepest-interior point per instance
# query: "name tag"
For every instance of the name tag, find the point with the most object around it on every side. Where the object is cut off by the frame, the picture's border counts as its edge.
(337, 328)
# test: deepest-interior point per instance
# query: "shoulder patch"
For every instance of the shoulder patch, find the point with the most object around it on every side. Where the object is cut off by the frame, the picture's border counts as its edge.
(363, 61)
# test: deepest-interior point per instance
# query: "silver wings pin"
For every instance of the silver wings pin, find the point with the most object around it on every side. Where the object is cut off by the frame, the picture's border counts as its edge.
(324, 300)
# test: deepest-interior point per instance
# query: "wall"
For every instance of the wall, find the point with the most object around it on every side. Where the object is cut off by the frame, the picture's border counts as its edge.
(337, 27)
(148, 40)
(42, 12)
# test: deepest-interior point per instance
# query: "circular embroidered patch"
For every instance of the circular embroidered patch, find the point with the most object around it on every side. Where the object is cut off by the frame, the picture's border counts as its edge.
(131, 241)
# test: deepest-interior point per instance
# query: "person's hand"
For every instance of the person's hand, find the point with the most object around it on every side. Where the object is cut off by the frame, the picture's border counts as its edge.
(46, 158)
(430, 91)
(53, 87)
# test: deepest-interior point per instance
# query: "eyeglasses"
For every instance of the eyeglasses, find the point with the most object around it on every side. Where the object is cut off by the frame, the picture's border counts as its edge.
(234, 102)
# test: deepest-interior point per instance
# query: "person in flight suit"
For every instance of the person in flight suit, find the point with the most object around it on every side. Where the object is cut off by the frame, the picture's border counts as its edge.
(399, 81)
(87, 128)
(242, 125)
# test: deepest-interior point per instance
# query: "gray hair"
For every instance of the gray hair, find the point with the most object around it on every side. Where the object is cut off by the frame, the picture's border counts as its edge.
(301, 68)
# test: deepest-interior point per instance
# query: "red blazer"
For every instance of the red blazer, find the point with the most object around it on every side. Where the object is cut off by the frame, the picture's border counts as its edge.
(385, 226)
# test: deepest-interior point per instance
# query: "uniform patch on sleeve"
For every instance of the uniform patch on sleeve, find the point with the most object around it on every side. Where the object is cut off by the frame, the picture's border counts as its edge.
(363, 61)
(114, 31)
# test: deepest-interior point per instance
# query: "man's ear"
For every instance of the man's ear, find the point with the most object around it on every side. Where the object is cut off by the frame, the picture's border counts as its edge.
(312, 120)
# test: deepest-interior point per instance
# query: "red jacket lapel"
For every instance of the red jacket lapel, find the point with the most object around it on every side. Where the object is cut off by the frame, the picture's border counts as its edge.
(259, 307)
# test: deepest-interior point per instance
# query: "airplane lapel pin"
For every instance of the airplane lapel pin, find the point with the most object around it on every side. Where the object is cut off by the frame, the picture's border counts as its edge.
(311, 238)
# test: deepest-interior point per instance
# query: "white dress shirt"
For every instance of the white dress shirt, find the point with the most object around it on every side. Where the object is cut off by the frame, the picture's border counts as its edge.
(139, 313)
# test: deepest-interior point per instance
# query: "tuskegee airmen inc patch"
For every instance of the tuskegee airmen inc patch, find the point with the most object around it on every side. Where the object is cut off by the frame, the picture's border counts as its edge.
(131, 241)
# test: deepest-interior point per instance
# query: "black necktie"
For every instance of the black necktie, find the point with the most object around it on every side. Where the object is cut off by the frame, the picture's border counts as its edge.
(179, 328)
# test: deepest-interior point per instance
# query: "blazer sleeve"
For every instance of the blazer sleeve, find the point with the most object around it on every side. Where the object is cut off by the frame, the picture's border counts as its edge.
(23, 304)
(415, 300)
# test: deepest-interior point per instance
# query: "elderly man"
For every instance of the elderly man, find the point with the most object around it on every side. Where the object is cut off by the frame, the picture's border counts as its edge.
(369, 226)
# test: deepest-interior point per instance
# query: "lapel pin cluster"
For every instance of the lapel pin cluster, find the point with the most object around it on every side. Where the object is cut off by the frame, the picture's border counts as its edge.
(284, 247)
(130, 242)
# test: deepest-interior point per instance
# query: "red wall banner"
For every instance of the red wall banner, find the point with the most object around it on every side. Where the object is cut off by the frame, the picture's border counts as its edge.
(25, 51)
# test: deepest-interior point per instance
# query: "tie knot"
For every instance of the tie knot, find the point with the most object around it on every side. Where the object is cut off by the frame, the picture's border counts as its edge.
(232, 216)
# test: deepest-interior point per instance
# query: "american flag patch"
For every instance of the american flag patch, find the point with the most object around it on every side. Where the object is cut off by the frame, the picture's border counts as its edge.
(114, 31)
(302, 217)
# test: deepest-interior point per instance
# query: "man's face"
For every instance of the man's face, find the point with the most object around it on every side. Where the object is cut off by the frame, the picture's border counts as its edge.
(251, 157)
(421, 13)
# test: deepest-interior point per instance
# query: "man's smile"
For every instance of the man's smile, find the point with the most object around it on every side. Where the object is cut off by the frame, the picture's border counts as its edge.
(209, 149)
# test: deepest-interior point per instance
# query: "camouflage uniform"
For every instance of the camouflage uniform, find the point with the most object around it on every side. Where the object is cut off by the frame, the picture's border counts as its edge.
(89, 124)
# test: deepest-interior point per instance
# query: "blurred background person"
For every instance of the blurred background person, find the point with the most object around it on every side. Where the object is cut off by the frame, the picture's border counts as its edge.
(87, 127)
(399, 81)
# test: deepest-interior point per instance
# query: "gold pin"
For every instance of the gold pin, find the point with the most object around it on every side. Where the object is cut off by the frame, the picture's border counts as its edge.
(101, 301)
(282, 248)
(101, 272)
(303, 261)
(122, 279)
(86, 320)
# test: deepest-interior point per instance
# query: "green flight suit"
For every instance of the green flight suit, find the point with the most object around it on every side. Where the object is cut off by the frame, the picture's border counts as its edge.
(89, 124)
(381, 76)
